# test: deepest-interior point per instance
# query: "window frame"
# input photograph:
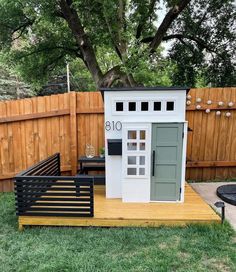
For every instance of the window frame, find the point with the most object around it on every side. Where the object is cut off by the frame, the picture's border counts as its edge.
(174, 105)
(148, 103)
(121, 102)
(138, 100)
(136, 153)
(160, 101)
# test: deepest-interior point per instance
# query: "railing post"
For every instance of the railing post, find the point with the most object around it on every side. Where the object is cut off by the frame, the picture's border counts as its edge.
(59, 163)
(16, 190)
(92, 198)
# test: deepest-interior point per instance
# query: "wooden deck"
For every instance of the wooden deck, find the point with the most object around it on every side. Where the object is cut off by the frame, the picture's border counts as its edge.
(115, 213)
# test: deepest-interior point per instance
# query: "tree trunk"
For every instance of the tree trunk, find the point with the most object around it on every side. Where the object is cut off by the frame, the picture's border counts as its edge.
(88, 53)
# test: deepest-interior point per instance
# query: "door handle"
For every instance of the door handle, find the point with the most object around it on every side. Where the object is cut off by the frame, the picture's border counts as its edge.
(153, 163)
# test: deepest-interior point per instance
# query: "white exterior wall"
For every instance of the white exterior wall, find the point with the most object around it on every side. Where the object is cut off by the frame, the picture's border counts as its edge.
(118, 184)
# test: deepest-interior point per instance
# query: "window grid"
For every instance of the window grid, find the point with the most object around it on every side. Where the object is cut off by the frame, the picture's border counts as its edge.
(144, 106)
(136, 159)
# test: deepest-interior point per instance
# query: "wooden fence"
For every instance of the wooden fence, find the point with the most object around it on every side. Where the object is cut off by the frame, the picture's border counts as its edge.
(33, 129)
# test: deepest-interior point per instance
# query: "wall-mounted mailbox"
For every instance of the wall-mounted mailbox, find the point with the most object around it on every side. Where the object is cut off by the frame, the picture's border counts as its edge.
(114, 146)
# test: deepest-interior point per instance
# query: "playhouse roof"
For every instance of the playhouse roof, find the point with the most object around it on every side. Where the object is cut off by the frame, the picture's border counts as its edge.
(146, 89)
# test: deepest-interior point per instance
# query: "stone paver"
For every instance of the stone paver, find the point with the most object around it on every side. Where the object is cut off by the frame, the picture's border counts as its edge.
(207, 190)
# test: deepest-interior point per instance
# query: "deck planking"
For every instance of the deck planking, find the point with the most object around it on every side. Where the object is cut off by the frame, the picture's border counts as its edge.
(115, 213)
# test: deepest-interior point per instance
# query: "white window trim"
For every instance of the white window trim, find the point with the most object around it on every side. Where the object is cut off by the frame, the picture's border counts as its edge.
(150, 101)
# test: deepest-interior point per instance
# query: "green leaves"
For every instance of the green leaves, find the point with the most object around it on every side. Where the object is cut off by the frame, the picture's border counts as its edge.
(36, 40)
(207, 47)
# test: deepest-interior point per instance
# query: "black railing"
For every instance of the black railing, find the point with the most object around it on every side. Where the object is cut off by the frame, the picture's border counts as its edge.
(42, 191)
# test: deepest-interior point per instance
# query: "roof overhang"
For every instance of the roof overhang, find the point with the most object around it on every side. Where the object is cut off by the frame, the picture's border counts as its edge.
(158, 89)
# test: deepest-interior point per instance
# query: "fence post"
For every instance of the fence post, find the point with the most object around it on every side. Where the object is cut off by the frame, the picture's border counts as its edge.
(73, 134)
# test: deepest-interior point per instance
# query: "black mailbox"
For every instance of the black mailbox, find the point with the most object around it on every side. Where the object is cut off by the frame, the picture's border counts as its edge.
(114, 146)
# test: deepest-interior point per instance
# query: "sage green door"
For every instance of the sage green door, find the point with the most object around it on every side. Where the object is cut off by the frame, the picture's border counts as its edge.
(167, 143)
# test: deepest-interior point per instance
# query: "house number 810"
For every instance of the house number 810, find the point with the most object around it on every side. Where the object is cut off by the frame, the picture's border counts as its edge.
(113, 125)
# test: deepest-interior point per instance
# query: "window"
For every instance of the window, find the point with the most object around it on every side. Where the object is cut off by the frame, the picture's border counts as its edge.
(136, 166)
(132, 160)
(131, 146)
(136, 152)
(119, 106)
(170, 106)
(132, 134)
(142, 160)
(141, 171)
(132, 106)
(144, 106)
(142, 134)
(157, 106)
(142, 146)
(131, 171)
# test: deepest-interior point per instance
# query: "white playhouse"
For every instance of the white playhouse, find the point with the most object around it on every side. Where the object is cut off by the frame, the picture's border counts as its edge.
(145, 143)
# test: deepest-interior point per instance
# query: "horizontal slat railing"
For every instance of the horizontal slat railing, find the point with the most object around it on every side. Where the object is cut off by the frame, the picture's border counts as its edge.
(39, 193)
(42, 166)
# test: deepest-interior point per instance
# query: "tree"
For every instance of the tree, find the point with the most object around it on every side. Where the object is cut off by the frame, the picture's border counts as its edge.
(123, 32)
(204, 48)
(11, 87)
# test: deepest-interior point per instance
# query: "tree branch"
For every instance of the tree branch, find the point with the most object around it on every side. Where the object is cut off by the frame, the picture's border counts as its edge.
(116, 35)
(20, 28)
(115, 74)
(144, 19)
(23, 25)
(167, 21)
(199, 41)
(20, 34)
(75, 51)
(87, 51)
(121, 21)
(53, 63)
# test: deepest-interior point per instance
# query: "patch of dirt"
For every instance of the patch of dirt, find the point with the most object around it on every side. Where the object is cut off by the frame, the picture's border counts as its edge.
(217, 265)
(163, 246)
(183, 255)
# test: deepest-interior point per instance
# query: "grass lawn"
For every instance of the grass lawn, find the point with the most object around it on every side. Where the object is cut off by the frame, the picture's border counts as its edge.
(193, 248)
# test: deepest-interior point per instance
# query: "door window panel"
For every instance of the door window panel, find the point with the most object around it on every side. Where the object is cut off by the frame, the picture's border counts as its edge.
(142, 146)
(132, 160)
(132, 146)
(141, 171)
(131, 171)
(142, 160)
(132, 134)
(142, 134)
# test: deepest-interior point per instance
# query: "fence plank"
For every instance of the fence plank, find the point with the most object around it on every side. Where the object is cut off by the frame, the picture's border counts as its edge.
(73, 134)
